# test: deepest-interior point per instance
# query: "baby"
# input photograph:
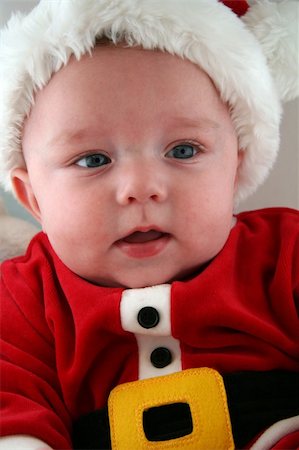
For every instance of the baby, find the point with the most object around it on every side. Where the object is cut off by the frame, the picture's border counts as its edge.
(131, 130)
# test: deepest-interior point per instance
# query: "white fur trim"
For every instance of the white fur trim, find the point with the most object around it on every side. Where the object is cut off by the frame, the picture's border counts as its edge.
(276, 26)
(203, 31)
(146, 345)
(276, 432)
(22, 443)
(158, 297)
(133, 300)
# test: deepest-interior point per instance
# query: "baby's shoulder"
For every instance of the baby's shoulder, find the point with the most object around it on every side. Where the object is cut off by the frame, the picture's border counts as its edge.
(29, 267)
(267, 233)
(273, 221)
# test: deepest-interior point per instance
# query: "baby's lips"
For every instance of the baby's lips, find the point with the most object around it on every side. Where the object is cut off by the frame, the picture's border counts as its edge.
(140, 237)
(143, 243)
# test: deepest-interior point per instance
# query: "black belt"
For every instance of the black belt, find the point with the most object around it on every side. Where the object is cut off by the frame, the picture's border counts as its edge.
(256, 400)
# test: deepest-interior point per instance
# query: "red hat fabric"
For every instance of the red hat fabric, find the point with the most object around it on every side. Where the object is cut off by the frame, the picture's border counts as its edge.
(239, 7)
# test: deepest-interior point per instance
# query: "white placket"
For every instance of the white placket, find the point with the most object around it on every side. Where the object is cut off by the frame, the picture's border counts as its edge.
(146, 313)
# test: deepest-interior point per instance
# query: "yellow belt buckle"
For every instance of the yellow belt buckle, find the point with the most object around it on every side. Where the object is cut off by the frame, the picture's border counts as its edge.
(201, 391)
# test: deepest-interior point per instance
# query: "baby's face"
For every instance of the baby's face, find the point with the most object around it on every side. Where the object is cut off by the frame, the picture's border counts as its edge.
(132, 161)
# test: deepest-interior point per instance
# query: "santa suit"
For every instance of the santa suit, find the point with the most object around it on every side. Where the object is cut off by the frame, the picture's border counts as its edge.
(67, 343)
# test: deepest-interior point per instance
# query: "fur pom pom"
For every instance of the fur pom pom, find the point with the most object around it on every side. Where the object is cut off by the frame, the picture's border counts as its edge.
(275, 24)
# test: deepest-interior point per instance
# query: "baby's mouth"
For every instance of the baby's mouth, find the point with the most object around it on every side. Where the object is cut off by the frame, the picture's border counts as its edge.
(141, 237)
(143, 244)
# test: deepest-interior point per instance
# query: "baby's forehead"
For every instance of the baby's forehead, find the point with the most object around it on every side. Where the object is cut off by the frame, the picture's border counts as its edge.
(118, 92)
(136, 77)
(109, 62)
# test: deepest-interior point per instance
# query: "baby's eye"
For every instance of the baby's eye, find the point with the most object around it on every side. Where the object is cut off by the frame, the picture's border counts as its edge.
(96, 160)
(182, 151)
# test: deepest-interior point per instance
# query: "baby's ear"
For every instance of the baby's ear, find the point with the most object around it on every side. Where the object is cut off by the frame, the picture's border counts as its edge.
(24, 192)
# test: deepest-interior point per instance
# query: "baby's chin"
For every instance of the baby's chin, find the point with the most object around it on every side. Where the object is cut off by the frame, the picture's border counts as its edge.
(132, 282)
(147, 279)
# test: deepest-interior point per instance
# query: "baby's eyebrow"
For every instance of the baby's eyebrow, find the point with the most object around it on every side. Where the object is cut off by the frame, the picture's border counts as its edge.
(201, 123)
(69, 136)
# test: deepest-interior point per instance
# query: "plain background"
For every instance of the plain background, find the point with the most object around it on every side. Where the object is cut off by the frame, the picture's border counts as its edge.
(280, 189)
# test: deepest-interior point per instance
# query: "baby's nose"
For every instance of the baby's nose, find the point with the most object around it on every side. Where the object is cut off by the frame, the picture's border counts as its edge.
(141, 184)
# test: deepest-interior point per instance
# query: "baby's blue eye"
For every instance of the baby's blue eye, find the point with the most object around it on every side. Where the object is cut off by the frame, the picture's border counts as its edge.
(182, 151)
(96, 160)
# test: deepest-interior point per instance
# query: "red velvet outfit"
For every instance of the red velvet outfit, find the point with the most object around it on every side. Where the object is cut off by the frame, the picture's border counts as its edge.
(63, 343)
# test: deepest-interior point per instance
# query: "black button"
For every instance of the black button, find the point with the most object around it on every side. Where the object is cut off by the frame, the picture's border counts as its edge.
(148, 317)
(161, 357)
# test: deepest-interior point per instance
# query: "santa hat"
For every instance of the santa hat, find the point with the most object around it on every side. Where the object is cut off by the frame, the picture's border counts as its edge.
(250, 53)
